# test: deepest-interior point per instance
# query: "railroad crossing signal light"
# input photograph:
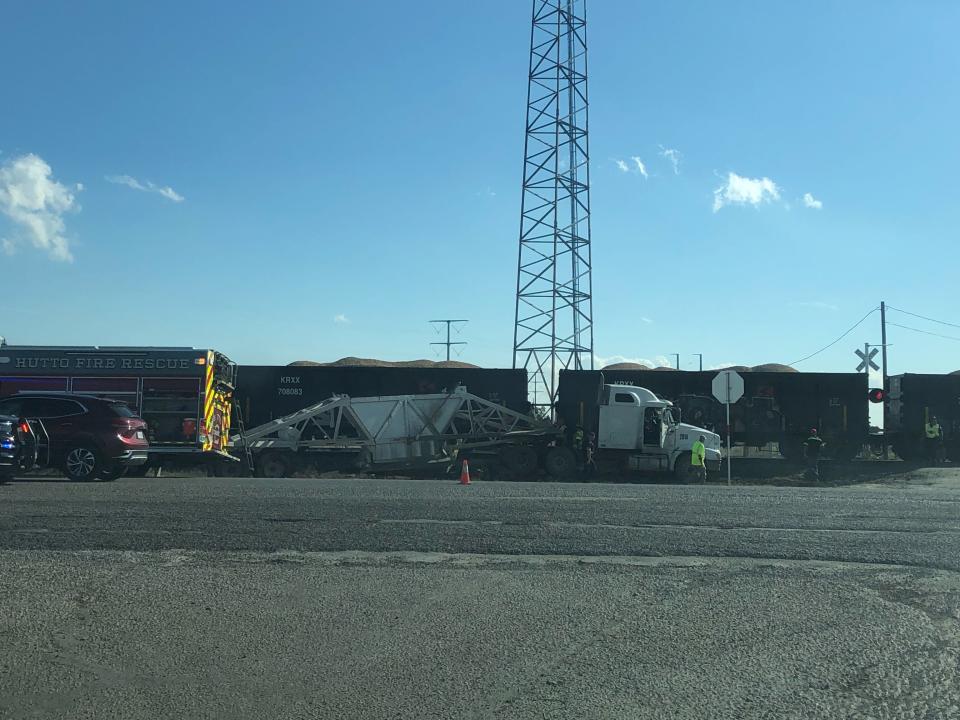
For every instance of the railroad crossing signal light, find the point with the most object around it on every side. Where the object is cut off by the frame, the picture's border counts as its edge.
(876, 395)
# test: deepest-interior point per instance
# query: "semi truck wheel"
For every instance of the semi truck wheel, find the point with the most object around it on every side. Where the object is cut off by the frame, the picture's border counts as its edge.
(560, 463)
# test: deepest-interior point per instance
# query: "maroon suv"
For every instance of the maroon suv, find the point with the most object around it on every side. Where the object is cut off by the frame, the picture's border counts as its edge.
(90, 438)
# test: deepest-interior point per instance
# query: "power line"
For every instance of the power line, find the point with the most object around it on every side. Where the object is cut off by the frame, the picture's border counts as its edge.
(925, 332)
(922, 317)
(456, 325)
(858, 323)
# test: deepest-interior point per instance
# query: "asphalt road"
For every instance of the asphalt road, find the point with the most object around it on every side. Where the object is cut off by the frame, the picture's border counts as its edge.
(173, 598)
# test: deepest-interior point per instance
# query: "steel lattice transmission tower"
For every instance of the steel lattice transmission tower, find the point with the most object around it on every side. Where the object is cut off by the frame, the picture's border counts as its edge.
(554, 311)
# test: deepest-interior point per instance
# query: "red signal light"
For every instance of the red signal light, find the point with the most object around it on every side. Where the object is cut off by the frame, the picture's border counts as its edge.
(877, 395)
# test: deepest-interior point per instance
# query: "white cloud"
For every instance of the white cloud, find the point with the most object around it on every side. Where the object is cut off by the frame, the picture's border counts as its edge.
(673, 156)
(623, 166)
(8, 246)
(32, 199)
(131, 182)
(811, 202)
(641, 168)
(170, 194)
(341, 319)
(739, 190)
(646, 320)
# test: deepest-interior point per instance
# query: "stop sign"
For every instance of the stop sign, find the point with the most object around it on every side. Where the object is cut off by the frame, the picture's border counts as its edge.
(728, 386)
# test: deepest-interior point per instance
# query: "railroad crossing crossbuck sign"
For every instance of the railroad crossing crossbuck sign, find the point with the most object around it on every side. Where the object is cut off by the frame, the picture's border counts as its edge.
(866, 359)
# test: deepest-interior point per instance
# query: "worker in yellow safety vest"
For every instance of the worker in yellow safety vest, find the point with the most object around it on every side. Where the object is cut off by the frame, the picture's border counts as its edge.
(698, 457)
(934, 439)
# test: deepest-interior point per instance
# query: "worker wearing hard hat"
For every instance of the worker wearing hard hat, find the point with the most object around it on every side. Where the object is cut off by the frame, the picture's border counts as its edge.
(698, 456)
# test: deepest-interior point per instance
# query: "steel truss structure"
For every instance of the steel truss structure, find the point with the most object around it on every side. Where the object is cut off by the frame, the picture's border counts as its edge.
(395, 429)
(553, 327)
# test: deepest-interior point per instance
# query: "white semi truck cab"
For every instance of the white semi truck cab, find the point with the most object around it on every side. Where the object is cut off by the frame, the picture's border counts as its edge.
(634, 420)
(635, 429)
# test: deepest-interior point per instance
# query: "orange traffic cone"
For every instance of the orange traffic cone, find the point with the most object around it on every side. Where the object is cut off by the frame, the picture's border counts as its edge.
(465, 473)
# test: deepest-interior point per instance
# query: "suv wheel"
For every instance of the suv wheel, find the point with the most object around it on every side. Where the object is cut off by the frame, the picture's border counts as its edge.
(81, 463)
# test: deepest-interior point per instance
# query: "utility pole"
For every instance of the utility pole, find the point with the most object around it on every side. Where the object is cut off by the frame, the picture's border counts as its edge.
(883, 341)
(677, 356)
(699, 355)
(448, 342)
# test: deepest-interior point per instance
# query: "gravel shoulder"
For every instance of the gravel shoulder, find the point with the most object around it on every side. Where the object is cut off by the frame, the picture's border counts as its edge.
(384, 635)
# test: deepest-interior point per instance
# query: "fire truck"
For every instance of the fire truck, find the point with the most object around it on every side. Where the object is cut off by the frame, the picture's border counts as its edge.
(184, 394)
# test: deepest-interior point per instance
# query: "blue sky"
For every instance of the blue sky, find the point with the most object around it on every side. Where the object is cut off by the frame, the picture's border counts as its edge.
(315, 180)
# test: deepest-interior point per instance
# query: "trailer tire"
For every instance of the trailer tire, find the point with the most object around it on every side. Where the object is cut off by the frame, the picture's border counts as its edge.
(520, 461)
(560, 463)
(272, 465)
